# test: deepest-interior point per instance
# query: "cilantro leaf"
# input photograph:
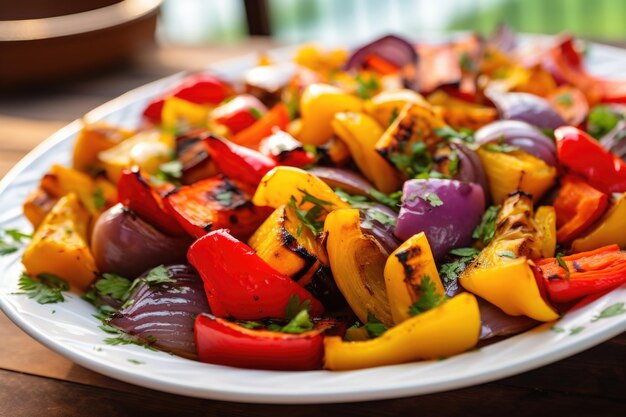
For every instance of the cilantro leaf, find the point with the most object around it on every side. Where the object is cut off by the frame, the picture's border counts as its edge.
(601, 120)
(450, 271)
(46, 288)
(158, 275)
(113, 285)
(429, 297)
(99, 202)
(294, 306)
(300, 323)
(374, 327)
(432, 199)
(486, 230)
(562, 264)
(381, 217)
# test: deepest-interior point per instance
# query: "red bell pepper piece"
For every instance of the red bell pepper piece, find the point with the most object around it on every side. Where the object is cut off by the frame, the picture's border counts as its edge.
(380, 65)
(582, 155)
(578, 205)
(225, 343)
(238, 162)
(277, 117)
(284, 149)
(240, 284)
(239, 113)
(216, 203)
(138, 195)
(589, 273)
(198, 88)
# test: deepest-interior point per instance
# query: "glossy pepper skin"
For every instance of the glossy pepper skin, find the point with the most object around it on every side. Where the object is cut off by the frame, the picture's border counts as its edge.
(238, 162)
(589, 273)
(578, 205)
(276, 118)
(608, 230)
(449, 329)
(239, 283)
(583, 155)
(225, 343)
(198, 89)
(137, 194)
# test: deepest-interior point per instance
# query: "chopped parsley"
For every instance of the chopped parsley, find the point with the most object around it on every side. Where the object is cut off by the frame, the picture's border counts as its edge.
(471, 252)
(170, 171)
(506, 254)
(611, 311)
(576, 330)
(486, 230)
(366, 88)
(17, 235)
(158, 275)
(381, 217)
(256, 113)
(390, 200)
(13, 245)
(453, 163)
(450, 271)
(463, 134)
(562, 264)
(466, 63)
(295, 306)
(309, 218)
(45, 288)
(363, 203)
(416, 162)
(300, 323)
(113, 285)
(136, 362)
(250, 324)
(429, 297)
(99, 202)
(601, 120)
(432, 199)
(394, 115)
(374, 327)
(225, 198)
(565, 99)
(500, 147)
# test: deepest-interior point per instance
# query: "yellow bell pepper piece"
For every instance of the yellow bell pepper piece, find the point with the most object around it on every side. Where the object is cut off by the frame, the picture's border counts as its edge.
(177, 111)
(93, 139)
(59, 246)
(312, 57)
(608, 230)
(387, 105)
(146, 149)
(447, 330)
(545, 217)
(510, 171)
(361, 132)
(462, 114)
(281, 183)
(502, 273)
(357, 262)
(318, 105)
(405, 269)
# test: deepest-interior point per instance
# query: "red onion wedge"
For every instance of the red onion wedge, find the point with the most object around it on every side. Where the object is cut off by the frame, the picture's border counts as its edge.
(124, 244)
(163, 315)
(448, 211)
(395, 50)
(527, 108)
(470, 168)
(523, 135)
(349, 181)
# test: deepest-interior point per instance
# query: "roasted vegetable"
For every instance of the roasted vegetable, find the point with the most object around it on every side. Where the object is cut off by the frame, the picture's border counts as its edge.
(216, 203)
(511, 169)
(446, 330)
(318, 105)
(282, 183)
(568, 278)
(607, 230)
(407, 269)
(276, 118)
(224, 343)
(136, 193)
(240, 284)
(95, 195)
(434, 206)
(361, 132)
(357, 262)
(502, 273)
(545, 218)
(93, 139)
(461, 114)
(386, 105)
(239, 113)
(578, 205)
(162, 315)
(284, 149)
(59, 246)
(37, 205)
(415, 123)
(124, 244)
(196, 163)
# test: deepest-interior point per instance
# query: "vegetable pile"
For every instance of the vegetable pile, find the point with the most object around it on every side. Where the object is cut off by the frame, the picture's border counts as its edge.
(403, 202)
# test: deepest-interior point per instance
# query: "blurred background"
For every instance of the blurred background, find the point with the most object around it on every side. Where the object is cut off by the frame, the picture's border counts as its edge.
(201, 21)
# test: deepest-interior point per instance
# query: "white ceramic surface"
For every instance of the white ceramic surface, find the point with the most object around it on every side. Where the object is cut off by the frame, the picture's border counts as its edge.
(69, 328)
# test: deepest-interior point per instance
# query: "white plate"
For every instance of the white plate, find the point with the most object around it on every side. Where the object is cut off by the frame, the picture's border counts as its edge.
(69, 328)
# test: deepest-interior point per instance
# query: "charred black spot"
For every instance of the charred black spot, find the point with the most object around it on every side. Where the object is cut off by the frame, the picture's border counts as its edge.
(233, 219)
(553, 277)
(324, 288)
(207, 227)
(255, 297)
(131, 213)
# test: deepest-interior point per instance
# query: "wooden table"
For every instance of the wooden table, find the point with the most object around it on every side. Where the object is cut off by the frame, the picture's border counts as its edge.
(36, 381)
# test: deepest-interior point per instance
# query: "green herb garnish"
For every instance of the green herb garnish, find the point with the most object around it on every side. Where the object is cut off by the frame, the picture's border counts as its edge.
(562, 264)
(390, 200)
(295, 305)
(45, 288)
(300, 323)
(463, 134)
(99, 202)
(256, 113)
(429, 298)
(365, 88)
(506, 254)
(601, 120)
(611, 311)
(374, 327)
(565, 99)
(432, 199)
(486, 230)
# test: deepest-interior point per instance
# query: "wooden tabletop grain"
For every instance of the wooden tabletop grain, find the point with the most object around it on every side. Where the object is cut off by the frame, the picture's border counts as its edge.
(34, 381)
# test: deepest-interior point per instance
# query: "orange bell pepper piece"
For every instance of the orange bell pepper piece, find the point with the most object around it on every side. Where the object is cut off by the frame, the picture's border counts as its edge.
(277, 117)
